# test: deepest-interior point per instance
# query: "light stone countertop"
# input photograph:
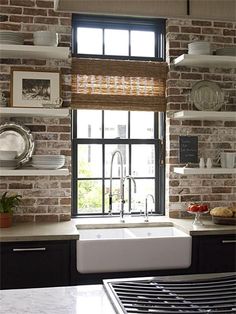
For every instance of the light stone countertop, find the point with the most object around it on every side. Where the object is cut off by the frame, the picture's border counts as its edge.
(65, 230)
(69, 230)
(84, 299)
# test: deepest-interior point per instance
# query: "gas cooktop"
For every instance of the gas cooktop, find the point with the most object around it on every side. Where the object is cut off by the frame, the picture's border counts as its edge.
(188, 294)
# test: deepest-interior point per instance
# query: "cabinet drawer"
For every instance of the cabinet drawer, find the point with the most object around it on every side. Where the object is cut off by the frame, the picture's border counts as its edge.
(217, 254)
(35, 264)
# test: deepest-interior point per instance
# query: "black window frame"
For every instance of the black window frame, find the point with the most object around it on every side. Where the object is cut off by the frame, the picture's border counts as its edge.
(152, 24)
(158, 141)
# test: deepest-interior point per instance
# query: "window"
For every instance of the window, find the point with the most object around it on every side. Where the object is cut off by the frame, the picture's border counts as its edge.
(139, 135)
(118, 37)
(96, 134)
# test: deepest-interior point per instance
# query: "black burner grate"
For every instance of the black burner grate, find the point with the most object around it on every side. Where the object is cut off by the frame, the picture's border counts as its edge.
(160, 295)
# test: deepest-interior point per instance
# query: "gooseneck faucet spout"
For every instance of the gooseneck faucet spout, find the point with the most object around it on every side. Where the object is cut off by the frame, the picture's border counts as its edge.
(117, 152)
(146, 206)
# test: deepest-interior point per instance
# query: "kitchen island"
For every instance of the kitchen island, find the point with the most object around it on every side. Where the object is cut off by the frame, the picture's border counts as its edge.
(84, 299)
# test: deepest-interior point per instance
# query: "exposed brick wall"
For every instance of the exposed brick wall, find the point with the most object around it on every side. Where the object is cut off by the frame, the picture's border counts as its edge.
(48, 198)
(213, 136)
(44, 198)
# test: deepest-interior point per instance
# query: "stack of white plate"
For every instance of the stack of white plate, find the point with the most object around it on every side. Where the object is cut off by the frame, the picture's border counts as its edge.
(7, 159)
(11, 38)
(199, 48)
(48, 161)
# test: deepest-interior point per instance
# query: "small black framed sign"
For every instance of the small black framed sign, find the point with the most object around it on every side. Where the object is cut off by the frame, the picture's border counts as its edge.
(188, 149)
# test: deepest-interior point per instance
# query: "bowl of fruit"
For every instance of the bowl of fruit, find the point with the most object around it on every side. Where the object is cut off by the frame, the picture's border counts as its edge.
(197, 209)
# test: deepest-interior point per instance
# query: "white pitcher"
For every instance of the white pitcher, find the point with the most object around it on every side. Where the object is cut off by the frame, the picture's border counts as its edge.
(227, 159)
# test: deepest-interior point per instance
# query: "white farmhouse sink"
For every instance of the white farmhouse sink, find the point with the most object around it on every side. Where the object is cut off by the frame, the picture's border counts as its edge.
(132, 249)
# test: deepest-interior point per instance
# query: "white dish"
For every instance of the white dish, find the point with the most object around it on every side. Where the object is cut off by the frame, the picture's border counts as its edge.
(46, 166)
(207, 95)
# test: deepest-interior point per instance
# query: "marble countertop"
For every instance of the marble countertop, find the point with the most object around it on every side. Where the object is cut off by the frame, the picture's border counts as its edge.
(84, 299)
(69, 230)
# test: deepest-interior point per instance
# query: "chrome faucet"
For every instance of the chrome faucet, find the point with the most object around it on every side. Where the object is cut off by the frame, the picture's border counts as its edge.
(118, 152)
(123, 202)
(146, 206)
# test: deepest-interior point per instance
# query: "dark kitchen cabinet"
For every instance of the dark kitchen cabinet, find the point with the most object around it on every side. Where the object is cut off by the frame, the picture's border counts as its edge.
(34, 264)
(215, 253)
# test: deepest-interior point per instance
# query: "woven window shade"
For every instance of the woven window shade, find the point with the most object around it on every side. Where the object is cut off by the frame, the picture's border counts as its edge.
(118, 85)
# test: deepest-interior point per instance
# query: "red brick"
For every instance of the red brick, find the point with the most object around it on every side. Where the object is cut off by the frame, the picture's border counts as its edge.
(189, 29)
(10, 27)
(212, 77)
(23, 218)
(172, 29)
(46, 20)
(229, 32)
(3, 2)
(201, 23)
(37, 128)
(33, 62)
(34, 12)
(22, 186)
(57, 128)
(46, 218)
(64, 217)
(23, 3)
(65, 21)
(221, 190)
(11, 10)
(10, 61)
(212, 31)
(223, 24)
(21, 19)
(219, 39)
(44, 4)
(59, 14)
(191, 76)
(230, 124)
(65, 201)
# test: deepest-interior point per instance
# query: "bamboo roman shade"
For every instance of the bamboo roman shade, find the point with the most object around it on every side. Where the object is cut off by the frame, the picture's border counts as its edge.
(118, 84)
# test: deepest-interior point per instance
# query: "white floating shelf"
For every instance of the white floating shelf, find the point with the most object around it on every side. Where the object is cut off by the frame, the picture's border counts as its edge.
(183, 170)
(28, 51)
(34, 172)
(40, 112)
(205, 115)
(205, 61)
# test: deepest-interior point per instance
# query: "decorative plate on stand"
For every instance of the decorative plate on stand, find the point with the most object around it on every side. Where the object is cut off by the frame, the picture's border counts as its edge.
(207, 96)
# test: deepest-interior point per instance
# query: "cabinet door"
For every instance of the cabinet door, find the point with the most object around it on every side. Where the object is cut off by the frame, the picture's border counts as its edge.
(217, 254)
(35, 264)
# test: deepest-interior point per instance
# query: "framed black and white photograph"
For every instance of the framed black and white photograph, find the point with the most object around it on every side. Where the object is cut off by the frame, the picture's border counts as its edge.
(30, 88)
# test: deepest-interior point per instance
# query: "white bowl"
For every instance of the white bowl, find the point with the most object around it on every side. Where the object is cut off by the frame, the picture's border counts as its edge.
(8, 154)
(45, 38)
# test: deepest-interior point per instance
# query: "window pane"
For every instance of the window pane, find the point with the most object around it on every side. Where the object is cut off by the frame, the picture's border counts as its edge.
(116, 42)
(142, 44)
(89, 123)
(109, 149)
(143, 157)
(89, 161)
(89, 40)
(142, 125)
(89, 196)
(115, 124)
(144, 187)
